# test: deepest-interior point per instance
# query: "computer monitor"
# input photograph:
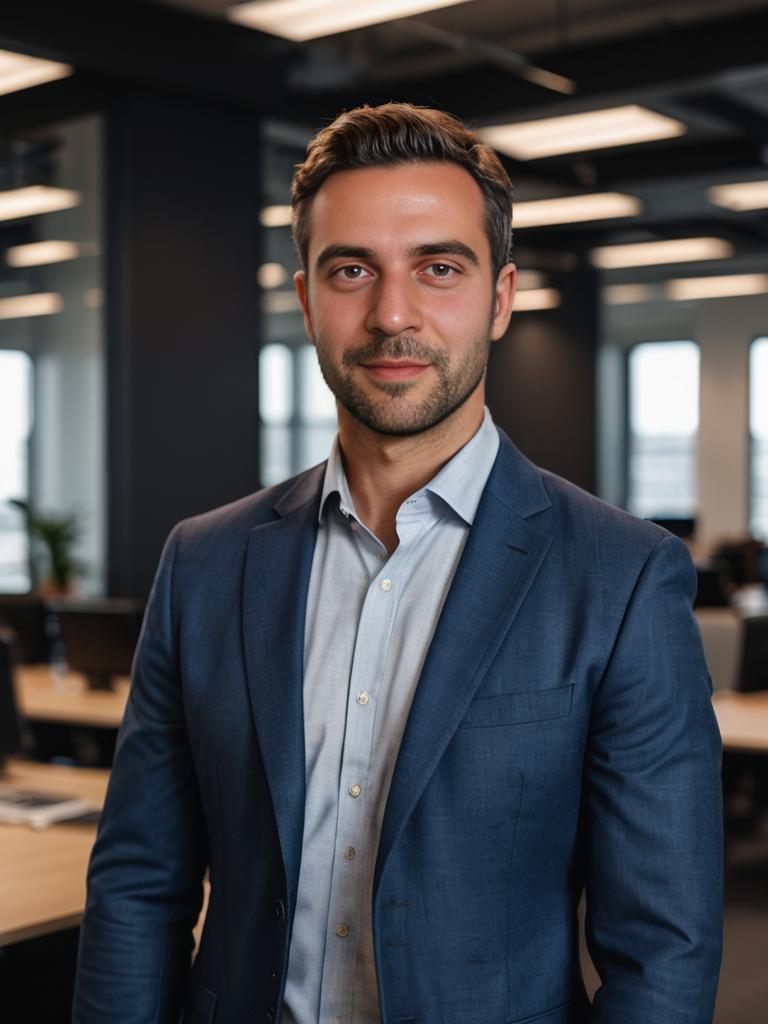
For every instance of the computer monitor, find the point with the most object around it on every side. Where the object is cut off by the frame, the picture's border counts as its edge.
(27, 621)
(98, 637)
(10, 731)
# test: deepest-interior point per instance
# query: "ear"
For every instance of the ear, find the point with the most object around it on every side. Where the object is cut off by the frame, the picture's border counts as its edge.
(503, 298)
(302, 290)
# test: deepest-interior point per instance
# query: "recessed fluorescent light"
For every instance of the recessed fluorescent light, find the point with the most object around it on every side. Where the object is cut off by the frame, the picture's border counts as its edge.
(573, 209)
(38, 254)
(536, 298)
(275, 216)
(629, 294)
(675, 250)
(527, 279)
(716, 287)
(280, 302)
(309, 19)
(574, 133)
(40, 304)
(17, 71)
(746, 195)
(35, 199)
(272, 275)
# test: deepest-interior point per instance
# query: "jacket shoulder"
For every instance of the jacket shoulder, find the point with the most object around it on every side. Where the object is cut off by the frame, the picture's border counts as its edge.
(237, 518)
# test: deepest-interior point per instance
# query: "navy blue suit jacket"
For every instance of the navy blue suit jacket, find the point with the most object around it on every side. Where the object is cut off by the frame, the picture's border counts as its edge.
(561, 736)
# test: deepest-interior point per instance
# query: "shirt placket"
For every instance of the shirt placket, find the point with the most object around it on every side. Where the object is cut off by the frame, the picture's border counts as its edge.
(356, 802)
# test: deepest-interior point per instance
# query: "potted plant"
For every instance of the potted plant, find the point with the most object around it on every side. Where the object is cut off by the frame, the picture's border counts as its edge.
(56, 535)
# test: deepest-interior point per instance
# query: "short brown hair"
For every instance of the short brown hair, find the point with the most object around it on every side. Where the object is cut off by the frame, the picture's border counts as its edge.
(401, 133)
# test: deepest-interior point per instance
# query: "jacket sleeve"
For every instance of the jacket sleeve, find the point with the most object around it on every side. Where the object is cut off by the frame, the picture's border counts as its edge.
(146, 869)
(652, 811)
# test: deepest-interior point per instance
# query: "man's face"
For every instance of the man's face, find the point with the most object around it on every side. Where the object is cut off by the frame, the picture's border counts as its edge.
(398, 295)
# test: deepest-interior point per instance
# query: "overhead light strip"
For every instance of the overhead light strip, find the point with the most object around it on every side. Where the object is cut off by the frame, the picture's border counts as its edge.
(729, 285)
(275, 216)
(743, 195)
(40, 254)
(34, 200)
(38, 304)
(537, 298)
(574, 209)
(301, 20)
(574, 133)
(18, 71)
(675, 250)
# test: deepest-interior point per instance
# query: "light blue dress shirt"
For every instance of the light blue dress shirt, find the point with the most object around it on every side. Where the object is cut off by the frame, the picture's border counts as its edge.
(370, 619)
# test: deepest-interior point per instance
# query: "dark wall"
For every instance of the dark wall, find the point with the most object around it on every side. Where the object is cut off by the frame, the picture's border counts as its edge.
(541, 381)
(183, 318)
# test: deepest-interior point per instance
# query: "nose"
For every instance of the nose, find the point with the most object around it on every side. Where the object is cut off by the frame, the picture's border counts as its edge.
(394, 306)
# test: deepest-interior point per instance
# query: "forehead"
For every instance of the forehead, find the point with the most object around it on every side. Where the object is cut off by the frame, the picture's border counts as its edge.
(409, 203)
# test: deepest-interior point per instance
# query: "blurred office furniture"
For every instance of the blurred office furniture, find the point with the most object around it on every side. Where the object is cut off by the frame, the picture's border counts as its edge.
(743, 721)
(27, 625)
(683, 527)
(741, 560)
(11, 739)
(98, 637)
(753, 673)
(721, 634)
(46, 695)
(42, 872)
(712, 589)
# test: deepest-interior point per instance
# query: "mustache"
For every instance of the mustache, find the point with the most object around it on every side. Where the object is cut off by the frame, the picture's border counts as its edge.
(402, 347)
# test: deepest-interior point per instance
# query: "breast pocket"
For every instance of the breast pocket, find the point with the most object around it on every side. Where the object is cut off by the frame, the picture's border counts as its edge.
(519, 707)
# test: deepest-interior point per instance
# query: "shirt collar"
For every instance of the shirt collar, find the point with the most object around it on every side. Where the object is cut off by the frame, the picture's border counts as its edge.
(459, 483)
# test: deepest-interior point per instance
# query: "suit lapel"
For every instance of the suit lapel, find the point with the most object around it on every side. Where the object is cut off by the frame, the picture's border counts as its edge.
(502, 555)
(277, 570)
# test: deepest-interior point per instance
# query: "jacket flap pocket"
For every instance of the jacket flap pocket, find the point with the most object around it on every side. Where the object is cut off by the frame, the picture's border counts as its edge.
(518, 708)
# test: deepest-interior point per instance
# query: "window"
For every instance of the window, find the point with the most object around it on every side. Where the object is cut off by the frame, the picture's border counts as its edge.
(758, 432)
(298, 412)
(15, 426)
(663, 424)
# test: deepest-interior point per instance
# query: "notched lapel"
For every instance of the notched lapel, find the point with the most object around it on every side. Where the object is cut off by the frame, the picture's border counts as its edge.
(276, 582)
(502, 555)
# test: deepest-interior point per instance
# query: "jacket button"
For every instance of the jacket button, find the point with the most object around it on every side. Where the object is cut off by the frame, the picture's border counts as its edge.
(280, 910)
(269, 1017)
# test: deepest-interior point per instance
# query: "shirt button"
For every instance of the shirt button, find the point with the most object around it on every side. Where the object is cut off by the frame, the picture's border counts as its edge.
(342, 930)
(362, 698)
(350, 852)
(354, 790)
(386, 584)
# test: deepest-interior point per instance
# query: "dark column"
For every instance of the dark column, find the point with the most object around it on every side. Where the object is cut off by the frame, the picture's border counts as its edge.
(182, 187)
(541, 381)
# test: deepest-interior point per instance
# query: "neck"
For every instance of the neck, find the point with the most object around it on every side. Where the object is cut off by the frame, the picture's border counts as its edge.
(382, 471)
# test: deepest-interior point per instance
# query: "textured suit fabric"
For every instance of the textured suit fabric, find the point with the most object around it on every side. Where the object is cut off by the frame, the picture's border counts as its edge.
(561, 736)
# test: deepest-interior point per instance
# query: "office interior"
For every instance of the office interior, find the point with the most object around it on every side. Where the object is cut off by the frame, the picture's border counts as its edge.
(153, 362)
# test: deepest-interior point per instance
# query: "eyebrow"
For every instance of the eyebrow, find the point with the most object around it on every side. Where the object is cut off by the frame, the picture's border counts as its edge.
(450, 247)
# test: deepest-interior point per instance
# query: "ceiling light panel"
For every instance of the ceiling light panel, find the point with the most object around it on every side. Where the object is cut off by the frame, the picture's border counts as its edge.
(17, 71)
(40, 254)
(275, 216)
(646, 254)
(629, 294)
(34, 200)
(574, 209)
(745, 195)
(39, 304)
(300, 20)
(687, 288)
(575, 133)
(537, 298)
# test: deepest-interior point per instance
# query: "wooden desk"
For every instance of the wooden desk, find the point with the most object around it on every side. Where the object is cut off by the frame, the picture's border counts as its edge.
(743, 720)
(45, 697)
(42, 873)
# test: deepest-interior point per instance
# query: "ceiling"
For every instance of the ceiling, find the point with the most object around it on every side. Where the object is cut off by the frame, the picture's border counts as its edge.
(703, 62)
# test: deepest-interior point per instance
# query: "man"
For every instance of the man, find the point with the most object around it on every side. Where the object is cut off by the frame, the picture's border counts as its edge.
(407, 705)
